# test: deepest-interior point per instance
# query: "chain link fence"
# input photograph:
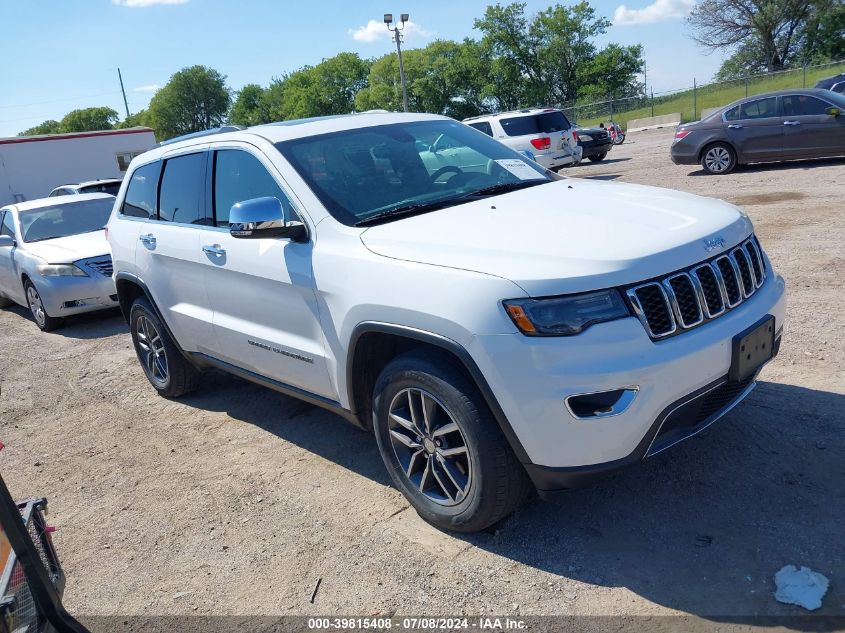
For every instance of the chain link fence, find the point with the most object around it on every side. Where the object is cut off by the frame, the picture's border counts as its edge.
(691, 101)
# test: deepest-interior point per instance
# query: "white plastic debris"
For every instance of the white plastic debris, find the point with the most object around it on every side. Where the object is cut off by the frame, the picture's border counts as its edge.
(803, 587)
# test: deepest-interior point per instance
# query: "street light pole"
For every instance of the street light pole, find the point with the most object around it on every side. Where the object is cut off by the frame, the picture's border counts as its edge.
(397, 35)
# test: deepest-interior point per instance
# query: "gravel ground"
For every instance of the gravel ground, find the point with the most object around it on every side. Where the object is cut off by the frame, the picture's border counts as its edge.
(235, 500)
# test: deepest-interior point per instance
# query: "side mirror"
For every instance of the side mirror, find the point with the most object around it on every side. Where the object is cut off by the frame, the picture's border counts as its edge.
(262, 218)
(6, 241)
(833, 111)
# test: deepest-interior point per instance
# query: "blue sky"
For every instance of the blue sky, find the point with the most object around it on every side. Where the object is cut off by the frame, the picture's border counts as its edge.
(58, 56)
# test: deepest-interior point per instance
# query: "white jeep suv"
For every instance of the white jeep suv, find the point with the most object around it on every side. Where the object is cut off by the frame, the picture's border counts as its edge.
(495, 329)
(545, 133)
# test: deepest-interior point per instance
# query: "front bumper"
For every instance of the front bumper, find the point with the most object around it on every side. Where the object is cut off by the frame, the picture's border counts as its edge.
(64, 296)
(540, 373)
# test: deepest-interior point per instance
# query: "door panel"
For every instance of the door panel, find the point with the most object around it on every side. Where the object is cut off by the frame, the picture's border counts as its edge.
(808, 130)
(261, 290)
(168, 252)
(10, 285)
(755, 128)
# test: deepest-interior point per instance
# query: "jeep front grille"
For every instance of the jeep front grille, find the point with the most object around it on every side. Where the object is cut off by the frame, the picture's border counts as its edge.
(691, 297)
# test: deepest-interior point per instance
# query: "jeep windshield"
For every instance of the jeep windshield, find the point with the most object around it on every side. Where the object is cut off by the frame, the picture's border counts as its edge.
(380, 173)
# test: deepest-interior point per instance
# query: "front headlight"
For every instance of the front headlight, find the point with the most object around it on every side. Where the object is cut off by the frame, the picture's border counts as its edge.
(61, 270)
(584, 137)
(567, 315)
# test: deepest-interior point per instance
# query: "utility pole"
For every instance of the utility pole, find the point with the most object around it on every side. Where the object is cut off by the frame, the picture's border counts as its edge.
(125, 102)
(397, 35)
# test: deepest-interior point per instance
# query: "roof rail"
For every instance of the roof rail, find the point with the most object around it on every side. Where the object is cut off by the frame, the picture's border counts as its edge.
(214, 130)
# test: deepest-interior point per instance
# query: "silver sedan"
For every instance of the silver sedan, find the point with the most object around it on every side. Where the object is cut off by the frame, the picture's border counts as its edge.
(54, 257)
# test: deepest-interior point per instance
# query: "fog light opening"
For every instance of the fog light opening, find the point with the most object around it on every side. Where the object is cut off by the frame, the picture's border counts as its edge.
(601, 404)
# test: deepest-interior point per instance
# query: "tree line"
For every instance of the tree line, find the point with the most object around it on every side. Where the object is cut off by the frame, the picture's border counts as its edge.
(550, 57)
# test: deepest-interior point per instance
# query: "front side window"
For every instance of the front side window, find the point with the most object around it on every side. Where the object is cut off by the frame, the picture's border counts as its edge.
(239, 176)
(365, 174)
(760, 109)
(803, 105)
(7, 227)
(182, 182)
(140, 201)
(63, 219)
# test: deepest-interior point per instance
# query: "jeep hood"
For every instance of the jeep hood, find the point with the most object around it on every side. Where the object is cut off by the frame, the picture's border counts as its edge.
(66, 250)
(567, 236)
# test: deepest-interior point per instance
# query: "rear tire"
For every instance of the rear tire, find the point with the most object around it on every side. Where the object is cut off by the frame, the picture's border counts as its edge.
(441, 445)
(168, 371)
(598, 157)
(44, 321)
(718, 158)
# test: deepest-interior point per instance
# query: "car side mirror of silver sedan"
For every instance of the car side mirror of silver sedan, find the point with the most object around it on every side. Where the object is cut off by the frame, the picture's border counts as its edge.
(263, 218)
(6, 241)
(833, 111)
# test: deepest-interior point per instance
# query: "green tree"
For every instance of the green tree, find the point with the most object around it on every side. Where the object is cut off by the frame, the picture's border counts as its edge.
(47, 127)
(545, 56)
(195, 99)
(89, 119)
(139, 119)
(613, 71)
(823, 34)
(759, 32)
(249, 107)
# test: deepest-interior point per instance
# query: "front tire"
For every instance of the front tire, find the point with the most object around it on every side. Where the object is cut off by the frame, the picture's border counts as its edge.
(441, 445)
(598, 157)
(44, 321)
(718, 158)
(4, 302)
(166, 368)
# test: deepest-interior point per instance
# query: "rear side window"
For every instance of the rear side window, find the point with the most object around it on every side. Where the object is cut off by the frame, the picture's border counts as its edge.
(760, 109)
(240, 176)
(803, 105)
(544, 123)
(483, 126)
(182, 183)
(140, 201)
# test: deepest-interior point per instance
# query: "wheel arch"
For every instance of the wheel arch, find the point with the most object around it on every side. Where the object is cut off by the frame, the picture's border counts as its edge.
(374, 344)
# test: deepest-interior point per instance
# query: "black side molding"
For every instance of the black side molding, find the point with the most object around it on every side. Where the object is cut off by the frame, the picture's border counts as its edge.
(448, 345)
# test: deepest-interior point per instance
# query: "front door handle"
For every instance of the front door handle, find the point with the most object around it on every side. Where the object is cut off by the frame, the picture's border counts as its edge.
(792, 122)
(214, 249)
(735, 126)
(148, 240)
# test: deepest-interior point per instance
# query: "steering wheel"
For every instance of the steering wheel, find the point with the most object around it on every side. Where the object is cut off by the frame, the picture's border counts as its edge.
(445, 170)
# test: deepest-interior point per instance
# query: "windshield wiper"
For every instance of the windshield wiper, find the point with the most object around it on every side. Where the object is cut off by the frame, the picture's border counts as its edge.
(405, 210)
(503, 187)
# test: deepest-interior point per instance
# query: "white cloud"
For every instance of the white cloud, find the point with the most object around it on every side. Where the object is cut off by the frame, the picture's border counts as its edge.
(147, 88)
(375, 31)
(145, 3)
(657, 11)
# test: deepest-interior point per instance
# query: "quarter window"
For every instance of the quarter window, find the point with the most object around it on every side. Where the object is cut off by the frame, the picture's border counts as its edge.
(760, 109)
(483, 126)
(803, 105)
(240, 176)
(8, 227)
(140, 199)
(181, 186)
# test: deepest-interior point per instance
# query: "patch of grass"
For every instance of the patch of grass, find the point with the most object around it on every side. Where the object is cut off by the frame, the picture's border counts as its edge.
(713, 95)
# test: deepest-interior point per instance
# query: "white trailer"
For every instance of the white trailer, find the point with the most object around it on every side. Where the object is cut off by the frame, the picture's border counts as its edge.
(31, 166)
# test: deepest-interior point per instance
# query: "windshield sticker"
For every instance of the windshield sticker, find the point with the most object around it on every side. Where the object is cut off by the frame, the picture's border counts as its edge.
(520, 169)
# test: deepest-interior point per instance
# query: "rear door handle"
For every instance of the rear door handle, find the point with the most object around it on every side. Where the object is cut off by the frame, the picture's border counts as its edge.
(792, 122)
(148, 240)
(214, 249)
(735, 126)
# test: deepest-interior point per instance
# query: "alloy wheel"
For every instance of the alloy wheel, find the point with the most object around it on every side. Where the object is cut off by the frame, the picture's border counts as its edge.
(151, 345)
(717, 159)
(36, 306)
(430, 446)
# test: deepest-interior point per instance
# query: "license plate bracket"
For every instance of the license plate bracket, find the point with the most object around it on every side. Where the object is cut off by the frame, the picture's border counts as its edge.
(752, 349)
